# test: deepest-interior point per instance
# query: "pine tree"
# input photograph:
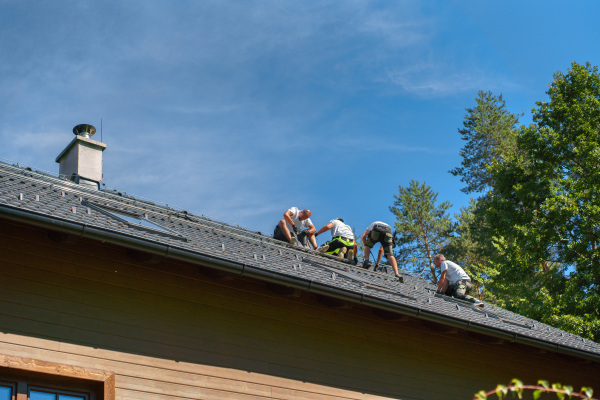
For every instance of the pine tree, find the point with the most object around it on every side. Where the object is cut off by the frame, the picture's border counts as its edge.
(423, 228)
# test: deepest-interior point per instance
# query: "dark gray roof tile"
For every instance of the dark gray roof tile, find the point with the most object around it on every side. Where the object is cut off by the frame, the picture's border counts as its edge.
(42, 194)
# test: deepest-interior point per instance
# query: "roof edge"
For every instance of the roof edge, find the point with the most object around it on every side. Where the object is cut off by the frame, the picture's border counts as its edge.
(86, 231)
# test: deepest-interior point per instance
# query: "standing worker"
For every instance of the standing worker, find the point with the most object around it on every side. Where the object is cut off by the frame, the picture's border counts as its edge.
(380, 232)
(454, 281)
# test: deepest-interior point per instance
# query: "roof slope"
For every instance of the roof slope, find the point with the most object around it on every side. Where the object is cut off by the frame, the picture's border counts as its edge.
(43, 199)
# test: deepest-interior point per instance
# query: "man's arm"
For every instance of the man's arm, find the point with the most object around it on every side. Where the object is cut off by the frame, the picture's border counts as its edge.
(364, 236)
(441, 281)
(325, 228)
(288, 217)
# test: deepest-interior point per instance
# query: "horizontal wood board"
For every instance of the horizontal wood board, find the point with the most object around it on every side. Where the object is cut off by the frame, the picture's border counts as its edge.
(170, 331)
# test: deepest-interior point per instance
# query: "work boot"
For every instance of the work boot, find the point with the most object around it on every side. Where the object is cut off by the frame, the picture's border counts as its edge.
(350, 255)
(293, 241)
(323, 248)
(366, 264)
(342, 252)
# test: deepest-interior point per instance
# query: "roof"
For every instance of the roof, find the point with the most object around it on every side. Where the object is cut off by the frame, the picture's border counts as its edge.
(45, 200)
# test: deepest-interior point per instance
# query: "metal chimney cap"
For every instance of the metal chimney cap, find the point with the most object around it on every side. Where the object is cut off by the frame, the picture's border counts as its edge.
(85, 130)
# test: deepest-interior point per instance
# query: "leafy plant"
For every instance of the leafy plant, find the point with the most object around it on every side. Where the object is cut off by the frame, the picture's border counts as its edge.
(516, 388)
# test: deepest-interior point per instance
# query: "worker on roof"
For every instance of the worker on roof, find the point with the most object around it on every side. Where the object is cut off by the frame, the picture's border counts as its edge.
(294, 225)
(380, 232)
(342, 241)
(454, 281)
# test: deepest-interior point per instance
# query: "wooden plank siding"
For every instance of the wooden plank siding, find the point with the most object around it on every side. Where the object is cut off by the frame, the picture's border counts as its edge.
(169, 331)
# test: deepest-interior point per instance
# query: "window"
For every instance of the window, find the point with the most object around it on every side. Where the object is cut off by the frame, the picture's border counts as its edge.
(44, 394)
(26, 379)
(6, 391)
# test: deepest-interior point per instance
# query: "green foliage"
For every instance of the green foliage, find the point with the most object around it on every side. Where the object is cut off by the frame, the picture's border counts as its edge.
(423, 228)
(544, 209)
(469, 245)
(489, 132)
(516, 387)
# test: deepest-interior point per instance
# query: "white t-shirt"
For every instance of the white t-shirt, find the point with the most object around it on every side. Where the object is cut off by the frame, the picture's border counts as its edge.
(455, 272)
(370, 228)
(300, 224)
(341, 229)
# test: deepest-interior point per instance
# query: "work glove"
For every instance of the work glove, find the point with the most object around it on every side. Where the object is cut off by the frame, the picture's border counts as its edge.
(296, 230)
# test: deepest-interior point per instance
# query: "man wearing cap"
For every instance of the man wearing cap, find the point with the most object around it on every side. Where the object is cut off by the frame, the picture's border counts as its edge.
(454, 281)
(380, 232)
(295, 220)
(342, 239)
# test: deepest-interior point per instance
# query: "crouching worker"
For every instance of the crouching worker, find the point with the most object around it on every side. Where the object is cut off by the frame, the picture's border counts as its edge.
(342, 239)
(379, 232)
(294, 221)
(454, 281)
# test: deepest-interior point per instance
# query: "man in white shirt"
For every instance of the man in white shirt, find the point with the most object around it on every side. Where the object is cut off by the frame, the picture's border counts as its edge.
(380, 232)
(295, 220)
(454, 281)
(342, 239)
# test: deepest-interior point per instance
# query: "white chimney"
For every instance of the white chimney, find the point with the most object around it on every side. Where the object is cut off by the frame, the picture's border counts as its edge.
(81, 160)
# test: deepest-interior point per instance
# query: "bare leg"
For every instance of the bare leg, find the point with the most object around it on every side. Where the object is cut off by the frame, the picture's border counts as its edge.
(392, 260)
(367, 253)
(313, 240)
(285, 230)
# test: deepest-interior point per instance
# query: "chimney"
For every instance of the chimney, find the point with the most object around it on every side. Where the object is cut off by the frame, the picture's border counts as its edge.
(81, 160)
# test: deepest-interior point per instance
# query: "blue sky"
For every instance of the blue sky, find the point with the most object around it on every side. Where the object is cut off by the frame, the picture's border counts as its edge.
(240, 109)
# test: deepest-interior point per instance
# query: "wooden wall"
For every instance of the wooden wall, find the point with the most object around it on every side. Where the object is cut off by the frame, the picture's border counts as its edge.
(174, 331)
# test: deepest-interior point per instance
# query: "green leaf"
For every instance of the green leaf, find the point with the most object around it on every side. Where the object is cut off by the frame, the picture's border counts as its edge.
(517, 383)
(536, 394)
(568, 390)
(544, 384)
(481, 395)
(501, 390)
(589, 392)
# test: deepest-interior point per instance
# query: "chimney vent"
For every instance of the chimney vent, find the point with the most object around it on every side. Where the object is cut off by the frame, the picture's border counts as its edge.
(85, 130)
(81, 160)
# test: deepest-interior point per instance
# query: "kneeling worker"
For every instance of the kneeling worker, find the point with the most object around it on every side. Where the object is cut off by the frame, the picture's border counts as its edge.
(454, 281)
(342, 239)
(295, 220)
(380, 232)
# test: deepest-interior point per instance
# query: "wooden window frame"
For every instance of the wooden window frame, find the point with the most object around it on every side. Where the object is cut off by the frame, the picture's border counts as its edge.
(62, 377)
